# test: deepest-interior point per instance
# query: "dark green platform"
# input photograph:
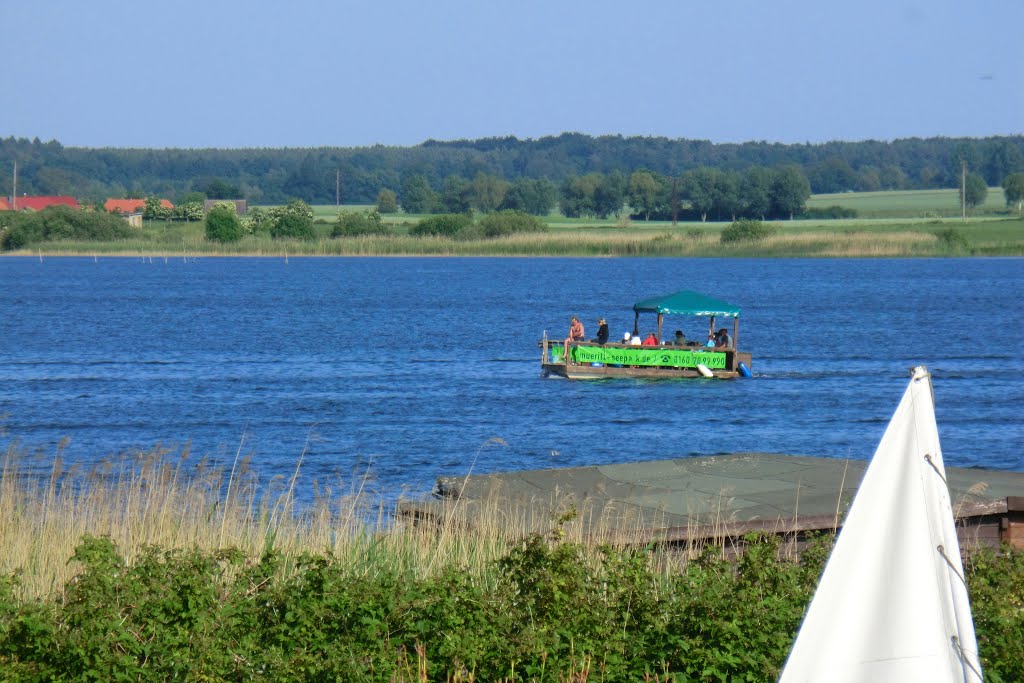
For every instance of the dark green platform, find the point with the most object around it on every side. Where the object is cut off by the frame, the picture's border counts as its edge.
(688, 497)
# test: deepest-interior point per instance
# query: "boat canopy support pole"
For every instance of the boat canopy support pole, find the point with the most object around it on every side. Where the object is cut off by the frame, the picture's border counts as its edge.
(736, 332)
(661, 340)
(711, 327)
(636, 322)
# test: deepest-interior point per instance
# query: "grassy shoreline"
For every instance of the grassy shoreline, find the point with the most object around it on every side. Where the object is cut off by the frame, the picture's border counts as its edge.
(153, 568)
(795, 239)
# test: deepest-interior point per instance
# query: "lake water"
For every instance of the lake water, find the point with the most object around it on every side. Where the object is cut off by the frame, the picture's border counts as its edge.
(418, 367)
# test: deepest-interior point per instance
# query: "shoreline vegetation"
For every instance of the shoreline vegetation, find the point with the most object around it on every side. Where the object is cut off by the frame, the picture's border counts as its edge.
(845, 225)
(152, 567)
(791, 239)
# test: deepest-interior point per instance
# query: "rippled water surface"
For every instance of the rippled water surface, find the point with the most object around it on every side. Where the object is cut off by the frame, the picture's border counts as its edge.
(418, 367)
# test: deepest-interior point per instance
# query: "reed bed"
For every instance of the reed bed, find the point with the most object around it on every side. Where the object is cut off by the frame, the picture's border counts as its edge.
(162, 498)
(599, 243)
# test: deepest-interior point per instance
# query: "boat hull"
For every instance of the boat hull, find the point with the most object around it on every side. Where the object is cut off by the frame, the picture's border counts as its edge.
(604, 372)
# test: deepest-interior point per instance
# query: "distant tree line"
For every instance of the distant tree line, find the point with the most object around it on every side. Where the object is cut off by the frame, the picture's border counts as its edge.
(582, 174)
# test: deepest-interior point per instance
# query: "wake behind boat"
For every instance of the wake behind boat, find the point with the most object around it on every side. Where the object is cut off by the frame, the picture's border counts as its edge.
(657, 358)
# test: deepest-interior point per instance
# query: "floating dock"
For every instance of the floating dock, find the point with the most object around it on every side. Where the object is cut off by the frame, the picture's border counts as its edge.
(715, 498)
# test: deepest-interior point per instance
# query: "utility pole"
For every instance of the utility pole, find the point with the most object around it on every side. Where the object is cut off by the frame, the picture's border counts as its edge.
(337, 188)
(963, 191)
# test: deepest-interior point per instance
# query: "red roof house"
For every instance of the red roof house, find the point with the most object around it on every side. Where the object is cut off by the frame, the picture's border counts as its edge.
(127, 207)
(40, 203)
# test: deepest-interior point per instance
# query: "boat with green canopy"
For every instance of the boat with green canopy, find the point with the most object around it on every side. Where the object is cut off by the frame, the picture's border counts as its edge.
(718, 357)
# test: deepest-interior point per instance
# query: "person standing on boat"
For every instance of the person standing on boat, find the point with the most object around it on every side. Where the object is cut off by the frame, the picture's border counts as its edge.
(602, 331)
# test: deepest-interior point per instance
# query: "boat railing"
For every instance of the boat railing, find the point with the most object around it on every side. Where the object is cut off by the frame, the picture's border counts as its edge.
(564, 346)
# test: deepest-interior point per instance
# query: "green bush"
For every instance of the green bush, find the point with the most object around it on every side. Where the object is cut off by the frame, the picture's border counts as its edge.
(60, 223)
(828, 213)
(543, 611)
(154, 210)
(509, 222)
(747, 230)
(293, 220)
(355, 224)
(189, 211)
(257, 221)
(293, 226)
(953, 239)
(443, 225)
(223, 225)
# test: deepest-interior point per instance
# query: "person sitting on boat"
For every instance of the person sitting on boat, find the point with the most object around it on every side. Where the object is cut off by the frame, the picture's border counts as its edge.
(575, 334)
(651, 339)
(680, 339)
(575, 330)
(634, 340)
(710, 343)
(722, 340)
(602, 331)
(626, 338)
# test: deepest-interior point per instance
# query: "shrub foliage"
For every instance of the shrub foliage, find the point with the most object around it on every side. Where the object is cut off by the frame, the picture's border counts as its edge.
(953, 239)
(223, 225)
(828, 212)
(747, 230)
(295, 220)
(509, 222)
(21, 229)
(545, 611)
(443, 225)
(357, 224)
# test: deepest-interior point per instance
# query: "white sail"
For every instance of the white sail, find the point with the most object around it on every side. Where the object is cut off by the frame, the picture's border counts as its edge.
(892, 603)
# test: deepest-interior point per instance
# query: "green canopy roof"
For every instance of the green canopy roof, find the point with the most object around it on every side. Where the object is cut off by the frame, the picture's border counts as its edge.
(687, 302)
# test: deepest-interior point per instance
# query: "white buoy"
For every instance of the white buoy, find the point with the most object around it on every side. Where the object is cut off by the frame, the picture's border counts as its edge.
(703, 370)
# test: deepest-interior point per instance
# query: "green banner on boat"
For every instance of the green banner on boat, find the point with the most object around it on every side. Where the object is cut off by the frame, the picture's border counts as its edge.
(642, 356)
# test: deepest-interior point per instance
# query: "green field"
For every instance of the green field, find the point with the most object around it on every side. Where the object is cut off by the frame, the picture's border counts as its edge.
(909, 203)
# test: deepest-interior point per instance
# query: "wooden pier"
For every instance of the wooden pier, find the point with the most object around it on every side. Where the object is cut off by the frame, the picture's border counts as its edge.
(716, 498)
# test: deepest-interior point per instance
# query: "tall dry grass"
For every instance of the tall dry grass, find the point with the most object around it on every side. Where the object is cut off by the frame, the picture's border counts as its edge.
(697, 242)
(162, 498)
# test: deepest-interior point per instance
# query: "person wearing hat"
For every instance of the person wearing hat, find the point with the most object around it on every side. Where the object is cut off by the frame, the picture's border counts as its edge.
(602, 331)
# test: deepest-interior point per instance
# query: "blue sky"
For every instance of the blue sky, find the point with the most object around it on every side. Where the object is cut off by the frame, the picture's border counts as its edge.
(227, 73)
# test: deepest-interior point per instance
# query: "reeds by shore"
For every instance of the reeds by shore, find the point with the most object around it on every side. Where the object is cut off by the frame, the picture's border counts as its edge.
(481, 593)
(167, 499)
(855, 240)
